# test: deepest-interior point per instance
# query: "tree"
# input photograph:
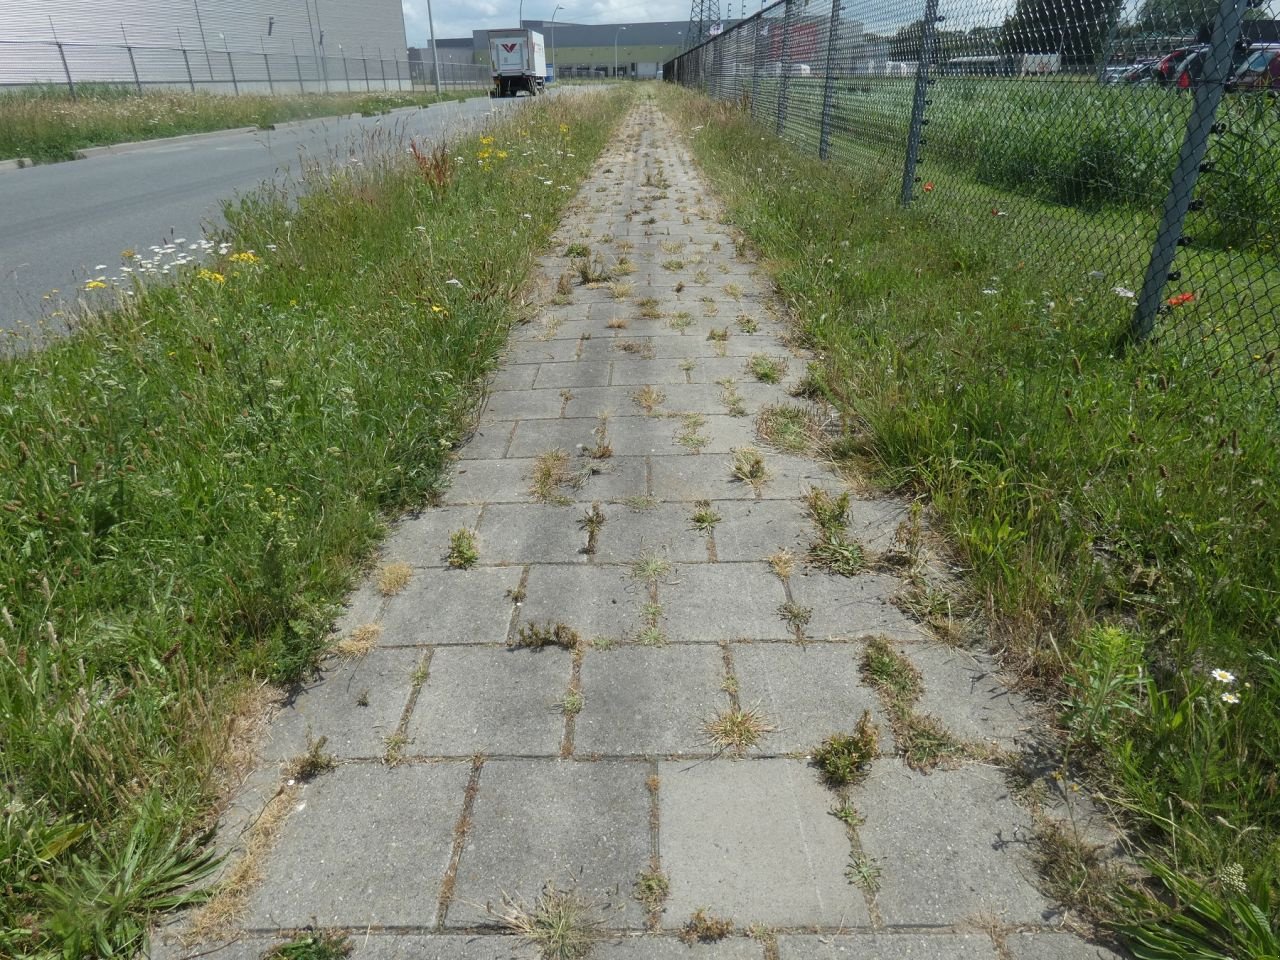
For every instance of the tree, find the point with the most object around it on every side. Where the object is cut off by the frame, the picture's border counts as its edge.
(1076, 29)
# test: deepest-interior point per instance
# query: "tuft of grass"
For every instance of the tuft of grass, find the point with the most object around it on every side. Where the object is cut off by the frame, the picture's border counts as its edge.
(733, 291)
(620, 289)
(830, 512)
(464, 549)
(844, 758)
(730, 397)
(571, 703)
(747, 324)
(559, 924)
(783, 563)
(789, 428)
(737, 729)
(704, 517)
(616, 323)
(651, 889)
(394, 577)
(359, 641)
(688, 435)
(637, 348)
(838, 555)
(592, 522)
(893, 675)
(864, 872)
(313, 945)
(649, 308)
(673, 264)
(553, 472)
(534, 636)
(718, 334)
(702, 927)
(650, 567)
(311, 763)
(795, 616)
(765, 368)
(748, 466)
(680, 320)
(577, 251)
(648, 398)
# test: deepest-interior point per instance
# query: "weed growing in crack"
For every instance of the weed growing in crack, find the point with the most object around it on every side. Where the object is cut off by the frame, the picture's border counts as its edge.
(838, 555)
(393, 748)
(592, 269)
(620, 290)
(651, 889)
(864, 872)
(730, 397)
(552, 472)
(848, 814)
(592, 521)
(733, 291)
(795, 616)
(533, 636)
(313, 945)
(577, 251)
(560, 924)
(718, 334)
(673, 264)
(649, 308)
(892, 675)
(737, 729)
(789, 428)
(650, 567)
(783, 563)
(464, 550)
(747, 324)
(829, 512)
(359, 641)
(616, 323)
(394, 577)
(688, 435)
(680, 320)
(642, 349)
(748, 466)
(704, 517)
(844, 758)
(648, 399)
(571, 703)
(310, 764)
(704, 928)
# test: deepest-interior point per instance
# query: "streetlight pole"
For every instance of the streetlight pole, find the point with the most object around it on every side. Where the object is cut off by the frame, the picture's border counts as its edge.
(615, 50)
(435, 57)
(554, 66)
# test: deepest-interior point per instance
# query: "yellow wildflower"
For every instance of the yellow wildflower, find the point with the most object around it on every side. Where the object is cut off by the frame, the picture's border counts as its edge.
(486, 140)
(502, 154)
(248, 256)
(209, 275)
(95, 285)
(564, 128)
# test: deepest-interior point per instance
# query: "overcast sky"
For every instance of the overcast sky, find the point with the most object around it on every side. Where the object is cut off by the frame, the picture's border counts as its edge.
(457, 18)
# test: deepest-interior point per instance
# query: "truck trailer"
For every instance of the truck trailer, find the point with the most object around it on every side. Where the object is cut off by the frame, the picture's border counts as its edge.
(517, 61)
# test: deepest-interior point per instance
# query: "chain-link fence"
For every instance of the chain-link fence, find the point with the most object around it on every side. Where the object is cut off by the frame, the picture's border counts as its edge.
(28, 63)
(1131, 149)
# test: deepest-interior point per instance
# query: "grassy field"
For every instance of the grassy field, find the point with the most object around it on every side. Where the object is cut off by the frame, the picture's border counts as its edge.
(48, 126)
(190, 485)
(1117, 512)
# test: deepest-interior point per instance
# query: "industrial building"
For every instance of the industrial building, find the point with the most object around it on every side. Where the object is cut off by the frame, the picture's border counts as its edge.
(203, 41)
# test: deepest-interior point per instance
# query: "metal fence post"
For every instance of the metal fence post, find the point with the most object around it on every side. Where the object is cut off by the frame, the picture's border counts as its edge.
(755, 68)
(66, 69)
(914, 138)
(829, 86)
(297, 62)
(271, 85)
(186, 62)
(133, 65)
(346, 73)
(398, 86)
(235, 85)
(365, 61)
(784, 88)
(1208, 95)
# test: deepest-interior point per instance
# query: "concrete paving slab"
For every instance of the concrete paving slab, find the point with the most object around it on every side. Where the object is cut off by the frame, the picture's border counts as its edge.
(616, 478)
(516, 377)
(640, 372)
(667, 529)
(669, 948)
(752, 840)
(452, 606)
(491, 481)
(579, 373)
(649, 701)
(573, 435)
(950, 845)
(695, 601)
(595, 601)
(1055, 946)
(855, 606)
(962, 690)
(366, 845)
(489, 441)
(532, 533)
(811, 691)
(708, 476)
(755, 530)
(523, 405)
(362, 606)
(422, 540)
(355, 705)
(888, 946)
(543, 351)
(565, 822)
(444, 946)
(620, 401)
(491, 700)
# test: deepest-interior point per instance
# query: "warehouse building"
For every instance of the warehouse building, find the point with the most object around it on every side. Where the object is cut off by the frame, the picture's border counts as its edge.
(210, 44)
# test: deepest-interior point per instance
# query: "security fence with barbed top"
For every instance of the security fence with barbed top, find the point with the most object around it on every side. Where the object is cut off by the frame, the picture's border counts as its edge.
(1130, 150)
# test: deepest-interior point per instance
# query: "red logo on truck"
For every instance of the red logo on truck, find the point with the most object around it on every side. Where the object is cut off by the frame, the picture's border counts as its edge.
(510, 47)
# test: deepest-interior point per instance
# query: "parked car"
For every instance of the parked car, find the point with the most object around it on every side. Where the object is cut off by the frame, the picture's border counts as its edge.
(1260, 70)
(1166, 70)
(1191, 71)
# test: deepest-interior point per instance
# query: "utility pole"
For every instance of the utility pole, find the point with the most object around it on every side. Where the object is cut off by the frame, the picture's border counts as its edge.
(615, 50)
(435, 57)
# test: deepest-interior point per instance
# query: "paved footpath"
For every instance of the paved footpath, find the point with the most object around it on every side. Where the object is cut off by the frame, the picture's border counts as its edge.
(603, 488)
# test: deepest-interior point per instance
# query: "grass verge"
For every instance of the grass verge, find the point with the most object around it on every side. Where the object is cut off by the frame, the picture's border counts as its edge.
(47, 126)
(1117, 512)
(190, 484)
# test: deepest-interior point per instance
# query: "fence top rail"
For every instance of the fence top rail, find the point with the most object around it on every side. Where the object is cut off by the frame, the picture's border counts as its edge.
(741, 24)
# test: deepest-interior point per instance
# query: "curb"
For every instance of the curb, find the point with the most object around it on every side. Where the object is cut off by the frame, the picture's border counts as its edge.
(17, 163)
(90, 152)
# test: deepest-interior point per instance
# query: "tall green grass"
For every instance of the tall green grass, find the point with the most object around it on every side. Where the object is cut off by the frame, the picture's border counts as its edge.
(1118, 512)
(47, 125)
(189, 485)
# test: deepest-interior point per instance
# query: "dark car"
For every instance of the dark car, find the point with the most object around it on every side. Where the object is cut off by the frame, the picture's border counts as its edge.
(1166, 68)
(1190, 72)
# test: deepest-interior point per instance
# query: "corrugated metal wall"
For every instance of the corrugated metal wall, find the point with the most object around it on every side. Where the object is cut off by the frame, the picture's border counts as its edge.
(94, 35)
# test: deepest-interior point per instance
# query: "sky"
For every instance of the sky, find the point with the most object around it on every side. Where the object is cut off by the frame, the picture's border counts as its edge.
(459, 17)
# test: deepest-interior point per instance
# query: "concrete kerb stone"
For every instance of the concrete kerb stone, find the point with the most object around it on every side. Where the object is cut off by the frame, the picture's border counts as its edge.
(879, 946)
(15, 163)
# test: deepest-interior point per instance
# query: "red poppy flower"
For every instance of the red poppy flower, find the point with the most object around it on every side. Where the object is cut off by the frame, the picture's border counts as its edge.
(928, 187)
(1178, 299)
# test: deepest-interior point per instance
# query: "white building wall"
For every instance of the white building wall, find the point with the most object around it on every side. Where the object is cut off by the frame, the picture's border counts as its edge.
(94, 35)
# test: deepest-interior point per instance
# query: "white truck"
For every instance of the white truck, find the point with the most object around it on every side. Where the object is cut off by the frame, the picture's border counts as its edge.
(518, 61)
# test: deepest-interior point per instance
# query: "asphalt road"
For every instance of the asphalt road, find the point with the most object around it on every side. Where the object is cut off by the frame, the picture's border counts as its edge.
(64, 224)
